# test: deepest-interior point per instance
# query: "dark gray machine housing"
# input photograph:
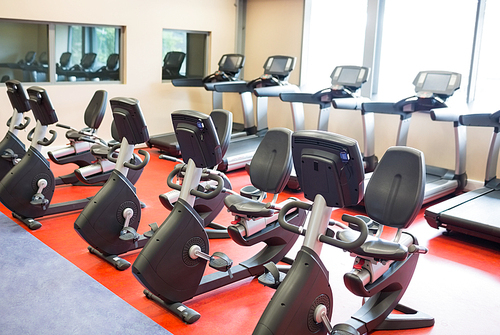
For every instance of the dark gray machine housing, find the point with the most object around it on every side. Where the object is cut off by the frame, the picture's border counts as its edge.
(41, 106)
(129, 120)
(197, 138)
(316, 166)
(17, 96)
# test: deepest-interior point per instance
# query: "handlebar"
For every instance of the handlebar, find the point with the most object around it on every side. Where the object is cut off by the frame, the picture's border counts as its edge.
(281, 216)
(323, 238)
(209, 195)
(140, 165)
(110, 152)
(348, 245)
(46, 142)
(20, 126)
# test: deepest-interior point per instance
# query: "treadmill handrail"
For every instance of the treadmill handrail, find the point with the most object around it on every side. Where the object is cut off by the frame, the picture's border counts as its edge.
(238, 86)
(444, 115)
(188, 82)
(383, 108)
(481, 120)
(275, 91)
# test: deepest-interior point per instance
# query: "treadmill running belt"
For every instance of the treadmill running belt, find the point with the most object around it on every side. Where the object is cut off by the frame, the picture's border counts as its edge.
(481, 215)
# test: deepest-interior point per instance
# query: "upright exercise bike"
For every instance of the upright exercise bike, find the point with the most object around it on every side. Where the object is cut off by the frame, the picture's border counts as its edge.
(109, 222)
(208, 209)
(330, 172)
(12, 149)
(180, 247)
(28, 188)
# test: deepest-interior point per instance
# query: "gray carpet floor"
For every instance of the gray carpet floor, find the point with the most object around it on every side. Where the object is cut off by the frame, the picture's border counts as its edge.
(43, 293)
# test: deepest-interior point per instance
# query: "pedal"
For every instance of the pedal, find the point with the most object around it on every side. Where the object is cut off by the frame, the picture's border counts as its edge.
(220, 262)
(129, 234)
(9, 155)
(39, 200)
(271, 277)
(154, 228)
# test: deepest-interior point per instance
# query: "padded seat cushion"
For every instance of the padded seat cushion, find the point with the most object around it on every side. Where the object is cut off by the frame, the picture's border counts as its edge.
(73, 135)
(238, 204)
(99, 150)
(375, 247)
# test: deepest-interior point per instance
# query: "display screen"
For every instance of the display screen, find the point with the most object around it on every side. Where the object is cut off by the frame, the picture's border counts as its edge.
(348, 76)
(232, 63)
(278, 65)
(435, 82)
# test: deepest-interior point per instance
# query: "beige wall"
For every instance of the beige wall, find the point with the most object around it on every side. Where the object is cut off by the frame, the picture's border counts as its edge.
(273, 27)
(142, 57)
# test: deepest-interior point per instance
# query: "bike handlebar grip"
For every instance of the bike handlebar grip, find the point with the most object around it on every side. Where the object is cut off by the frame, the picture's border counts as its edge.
(62, 126)
(281, 216)
(171, 176)
(30, 134)
(348, 245)
(211, 194)
(140, 165)
(110, 152)
(20, 126)
(167, 158)
(46, 142)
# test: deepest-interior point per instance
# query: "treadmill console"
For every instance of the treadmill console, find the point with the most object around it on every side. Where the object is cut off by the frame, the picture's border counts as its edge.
(231, 63)
(349, 76)
(441, 83)
(279, 66)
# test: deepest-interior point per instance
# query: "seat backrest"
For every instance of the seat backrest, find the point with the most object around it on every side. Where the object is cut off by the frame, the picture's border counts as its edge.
(65, 59)
(271, 164)
(29, 57)
(395, 192)
(223, 122)
(88, 60)
(113, 62)
(94, 113)
(173, 60)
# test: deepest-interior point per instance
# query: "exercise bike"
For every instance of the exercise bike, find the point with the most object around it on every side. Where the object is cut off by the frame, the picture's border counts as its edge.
(303, 302)
(180, 247)
(87, 150)
(208, 209)
(109, 222)
(12, 149)
(28, 188)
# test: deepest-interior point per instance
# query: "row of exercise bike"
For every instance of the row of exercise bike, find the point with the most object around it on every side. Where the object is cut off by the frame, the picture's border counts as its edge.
(330, 171)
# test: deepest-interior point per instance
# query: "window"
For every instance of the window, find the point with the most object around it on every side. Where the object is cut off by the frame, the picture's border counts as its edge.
(335, 36)
(424, 35)
(24, 51)
(488, 77)
(87, 53)
(184, 54)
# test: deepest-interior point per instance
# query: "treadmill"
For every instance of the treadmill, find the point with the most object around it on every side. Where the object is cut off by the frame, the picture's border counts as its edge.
(272, 83)
(432, 89)
(346, 81)
(476, 212)
(230, 66)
